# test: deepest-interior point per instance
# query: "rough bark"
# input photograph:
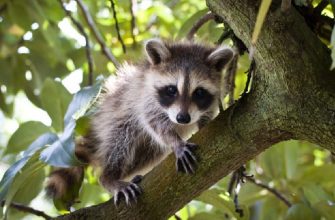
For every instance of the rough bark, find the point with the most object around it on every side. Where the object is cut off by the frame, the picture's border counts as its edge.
(293, 97)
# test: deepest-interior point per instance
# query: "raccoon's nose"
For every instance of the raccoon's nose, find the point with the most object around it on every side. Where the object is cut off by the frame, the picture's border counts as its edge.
(183, 118)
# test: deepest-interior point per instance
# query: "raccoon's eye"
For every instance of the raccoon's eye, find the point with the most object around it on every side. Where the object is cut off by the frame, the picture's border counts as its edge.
(200, 93)
(171, 91)
(202, 98)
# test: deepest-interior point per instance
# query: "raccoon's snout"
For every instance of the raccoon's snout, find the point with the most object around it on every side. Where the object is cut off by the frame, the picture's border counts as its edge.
(183, 118)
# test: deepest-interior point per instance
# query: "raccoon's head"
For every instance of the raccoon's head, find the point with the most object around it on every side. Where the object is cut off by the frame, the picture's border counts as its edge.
(185, 77)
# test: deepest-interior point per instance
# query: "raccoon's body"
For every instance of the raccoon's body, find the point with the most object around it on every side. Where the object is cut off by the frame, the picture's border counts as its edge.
(149, 110)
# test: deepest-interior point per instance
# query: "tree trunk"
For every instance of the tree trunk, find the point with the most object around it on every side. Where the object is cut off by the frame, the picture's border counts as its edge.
(292, 97)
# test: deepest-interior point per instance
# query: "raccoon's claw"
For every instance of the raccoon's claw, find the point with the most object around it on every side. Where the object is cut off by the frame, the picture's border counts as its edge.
(129, 191)
(186, 161)
(137, 179)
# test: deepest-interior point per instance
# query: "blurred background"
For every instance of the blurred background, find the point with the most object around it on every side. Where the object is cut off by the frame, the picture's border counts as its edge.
(43, 63)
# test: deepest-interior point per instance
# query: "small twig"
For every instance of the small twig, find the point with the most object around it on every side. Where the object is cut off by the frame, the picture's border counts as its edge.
(237, 206)
(207, 17)
(226, 34)
(232, 183)
(117, 26)
(27, 209)
(270, 189)
(87, 42)
(235, 181)
(97, 34)
(133, 20)
(285, 5)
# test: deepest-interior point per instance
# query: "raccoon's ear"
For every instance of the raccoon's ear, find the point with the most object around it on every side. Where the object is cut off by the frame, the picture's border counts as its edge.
(156, 51)
(220, 57)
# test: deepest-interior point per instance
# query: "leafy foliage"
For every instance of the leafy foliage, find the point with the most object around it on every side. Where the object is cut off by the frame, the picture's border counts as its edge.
(42, 55)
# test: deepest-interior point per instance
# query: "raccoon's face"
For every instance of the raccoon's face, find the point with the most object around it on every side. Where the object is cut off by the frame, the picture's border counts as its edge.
(186, 78)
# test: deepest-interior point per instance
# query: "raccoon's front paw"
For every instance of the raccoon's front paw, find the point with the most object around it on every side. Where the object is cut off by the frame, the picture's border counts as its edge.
(186, 161)
(127, 190)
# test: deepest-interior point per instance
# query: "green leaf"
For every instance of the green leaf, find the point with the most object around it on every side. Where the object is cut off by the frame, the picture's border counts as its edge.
(61, 152)
(271, 208)
(90, 194)
(55, 99)
(250, 194)
(25, 135)
(272, 161)
(81, 102)
(9, 175)
(222, 202)
(82, 126)
(301, 211)
(31, 165)
(320, 174)
(326, 209)
(206, 215)
(30, 189)
(19, 15)
(291, 150)
(315, 194)
(41, 141)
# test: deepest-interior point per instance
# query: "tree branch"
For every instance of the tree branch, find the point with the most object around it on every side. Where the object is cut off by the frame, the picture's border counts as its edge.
(207, 17)
(117, 26)
(96, 33)
(80, 28)
(27, 209)
(133, 20)
(270, 189)
(292, 98)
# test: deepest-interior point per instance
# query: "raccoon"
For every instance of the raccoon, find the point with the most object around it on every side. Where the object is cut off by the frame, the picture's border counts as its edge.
(149, 110)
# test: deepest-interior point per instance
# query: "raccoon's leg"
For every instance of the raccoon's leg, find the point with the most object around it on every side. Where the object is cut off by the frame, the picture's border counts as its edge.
(111, 180)
(185, 159)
